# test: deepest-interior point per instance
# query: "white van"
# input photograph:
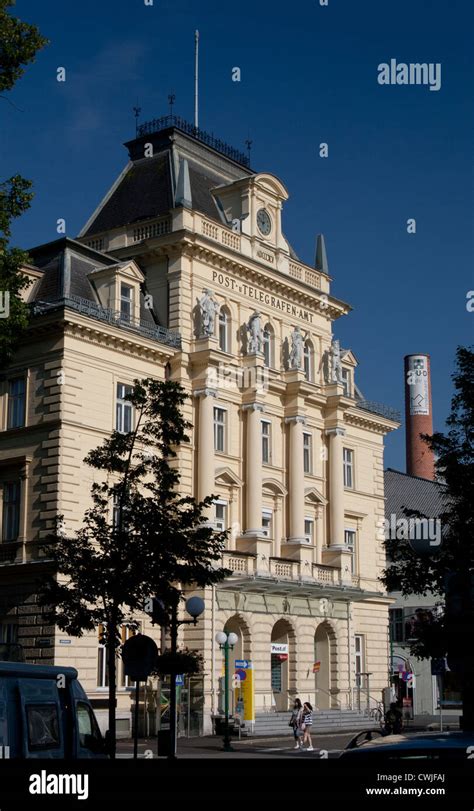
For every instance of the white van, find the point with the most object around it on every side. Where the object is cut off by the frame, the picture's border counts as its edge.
(45, 713)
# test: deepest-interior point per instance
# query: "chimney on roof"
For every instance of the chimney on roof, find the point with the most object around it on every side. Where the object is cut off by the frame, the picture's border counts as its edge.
(418, 416)
(321, 261)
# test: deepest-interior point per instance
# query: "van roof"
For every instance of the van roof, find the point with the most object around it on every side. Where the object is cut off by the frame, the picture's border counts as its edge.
(35, 671)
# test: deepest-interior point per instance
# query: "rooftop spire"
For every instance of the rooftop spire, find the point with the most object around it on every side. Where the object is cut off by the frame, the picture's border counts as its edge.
(321, 261)
(183, 187)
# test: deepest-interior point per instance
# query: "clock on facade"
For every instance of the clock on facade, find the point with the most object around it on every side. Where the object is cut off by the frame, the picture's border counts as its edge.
(264, 222)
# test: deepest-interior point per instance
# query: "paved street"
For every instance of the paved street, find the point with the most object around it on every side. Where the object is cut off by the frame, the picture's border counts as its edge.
(325, 745)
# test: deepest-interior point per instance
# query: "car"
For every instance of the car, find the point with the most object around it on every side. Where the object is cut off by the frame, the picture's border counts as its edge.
(372, 745)
(45, 713)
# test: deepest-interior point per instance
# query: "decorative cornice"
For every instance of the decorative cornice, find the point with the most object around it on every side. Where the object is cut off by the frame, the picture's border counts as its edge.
(370, 423)
(205, 392)
(338, 431)
(273, 283)
(296, 418)
(252, 407)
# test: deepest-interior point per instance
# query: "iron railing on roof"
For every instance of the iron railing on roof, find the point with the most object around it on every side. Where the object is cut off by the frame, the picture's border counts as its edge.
(379, 408)
(114, 317)
(157, 124)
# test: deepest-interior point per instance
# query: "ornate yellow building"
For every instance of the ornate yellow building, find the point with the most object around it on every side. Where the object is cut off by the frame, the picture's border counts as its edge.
(184, 270)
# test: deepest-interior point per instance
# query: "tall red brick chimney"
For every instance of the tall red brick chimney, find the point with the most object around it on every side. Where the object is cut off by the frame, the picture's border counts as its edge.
(418, 416)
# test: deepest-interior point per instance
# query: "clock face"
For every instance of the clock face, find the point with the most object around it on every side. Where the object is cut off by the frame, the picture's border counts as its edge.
(264, 222)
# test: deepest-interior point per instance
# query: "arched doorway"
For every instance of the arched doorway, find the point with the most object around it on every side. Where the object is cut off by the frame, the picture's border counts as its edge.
(283, 664)
(322, 658)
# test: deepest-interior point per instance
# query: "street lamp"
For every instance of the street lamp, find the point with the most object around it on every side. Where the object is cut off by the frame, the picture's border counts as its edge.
(194, 607)
(226, 643)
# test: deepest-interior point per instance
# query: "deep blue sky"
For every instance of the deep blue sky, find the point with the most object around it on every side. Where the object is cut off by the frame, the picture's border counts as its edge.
(309, 75)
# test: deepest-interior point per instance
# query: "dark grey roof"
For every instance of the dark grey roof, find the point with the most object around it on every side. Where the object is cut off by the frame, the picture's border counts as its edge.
(66, 265)
(144, 192)
(411, 492)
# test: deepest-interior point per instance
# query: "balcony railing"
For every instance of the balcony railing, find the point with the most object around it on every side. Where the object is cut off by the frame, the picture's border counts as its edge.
(166, 121)
(285, 570)
(380, 409)
(113, 317)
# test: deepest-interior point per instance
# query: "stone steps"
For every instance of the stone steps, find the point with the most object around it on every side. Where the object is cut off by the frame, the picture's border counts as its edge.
(276, 723)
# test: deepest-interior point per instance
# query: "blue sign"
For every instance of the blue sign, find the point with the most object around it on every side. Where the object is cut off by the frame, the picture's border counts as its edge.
(242, 663)
(179, 680)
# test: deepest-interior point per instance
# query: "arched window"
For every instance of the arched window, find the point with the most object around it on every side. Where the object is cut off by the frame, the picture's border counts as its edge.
(308, 361)
(224, 329)
(268, 341)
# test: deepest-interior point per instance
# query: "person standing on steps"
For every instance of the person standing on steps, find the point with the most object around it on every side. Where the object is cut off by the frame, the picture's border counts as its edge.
(307, 722)
(295, 723)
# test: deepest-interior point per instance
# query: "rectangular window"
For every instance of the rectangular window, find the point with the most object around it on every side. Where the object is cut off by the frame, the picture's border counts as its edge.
(359, 659)
(396, 624)
(123, 409)
(126, 632)
(16, 402)
(8, 632)
(307, 453)
(309, 530)
(220, 522)
(350, 542)
(102, 669)
(346, 382)
(276, 668)
(267, 523)
(126, 302)
(43, 727)
(11, 511)
(219, 429)
(266, 442)
(348, 462)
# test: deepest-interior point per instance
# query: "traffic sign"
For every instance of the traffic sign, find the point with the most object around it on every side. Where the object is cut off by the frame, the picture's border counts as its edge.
(242, 663)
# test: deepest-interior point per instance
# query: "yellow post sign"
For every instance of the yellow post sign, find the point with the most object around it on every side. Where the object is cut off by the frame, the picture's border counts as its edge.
(244, 690)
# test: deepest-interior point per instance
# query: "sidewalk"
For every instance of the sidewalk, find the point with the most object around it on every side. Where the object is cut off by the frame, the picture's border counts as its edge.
(212, 747)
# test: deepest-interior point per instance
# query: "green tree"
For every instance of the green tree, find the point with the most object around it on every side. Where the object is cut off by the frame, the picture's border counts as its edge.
(152, 542)
(448, 573)
(19, 43)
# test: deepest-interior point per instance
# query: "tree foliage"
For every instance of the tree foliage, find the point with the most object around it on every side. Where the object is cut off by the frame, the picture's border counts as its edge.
(159, 542)
(19, 43)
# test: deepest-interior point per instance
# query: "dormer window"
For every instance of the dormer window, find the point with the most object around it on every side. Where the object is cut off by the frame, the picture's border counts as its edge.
(346, 382)
(126, 302)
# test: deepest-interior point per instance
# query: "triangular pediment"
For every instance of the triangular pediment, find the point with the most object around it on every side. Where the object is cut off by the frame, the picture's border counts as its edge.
(226, 476)
(312, 494)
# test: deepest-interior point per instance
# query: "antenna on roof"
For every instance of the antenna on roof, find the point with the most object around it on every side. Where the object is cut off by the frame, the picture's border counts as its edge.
(248, 144)
(171, 101)
(136, 111)
(196, 78)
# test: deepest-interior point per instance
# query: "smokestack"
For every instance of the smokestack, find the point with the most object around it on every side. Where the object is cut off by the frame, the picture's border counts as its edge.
(418, 416)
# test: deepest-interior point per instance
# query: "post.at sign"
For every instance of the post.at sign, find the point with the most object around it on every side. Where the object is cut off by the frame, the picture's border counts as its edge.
(244, 689)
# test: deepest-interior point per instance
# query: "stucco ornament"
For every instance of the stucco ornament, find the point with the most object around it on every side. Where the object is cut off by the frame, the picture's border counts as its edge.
(208, 307)
(336, 367)
(297, 348)
(255, 333)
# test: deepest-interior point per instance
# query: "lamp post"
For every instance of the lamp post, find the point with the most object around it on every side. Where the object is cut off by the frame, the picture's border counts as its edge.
(226, 643)
(194, 607)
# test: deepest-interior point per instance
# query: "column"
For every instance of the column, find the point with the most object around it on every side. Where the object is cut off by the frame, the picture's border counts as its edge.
(254, 469)
(336, 487)
(205, 444)
(296, 480)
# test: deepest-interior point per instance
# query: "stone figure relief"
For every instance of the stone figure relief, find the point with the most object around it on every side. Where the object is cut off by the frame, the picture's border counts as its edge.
(297, 348)
(336, 366)
(255, 333)
(208, 307)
